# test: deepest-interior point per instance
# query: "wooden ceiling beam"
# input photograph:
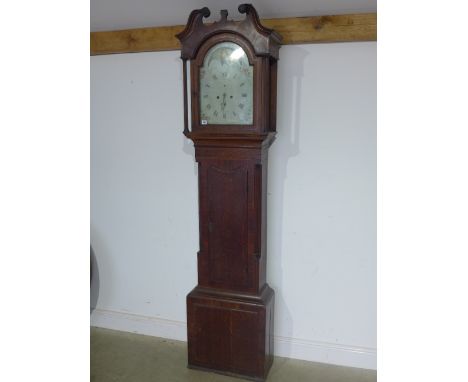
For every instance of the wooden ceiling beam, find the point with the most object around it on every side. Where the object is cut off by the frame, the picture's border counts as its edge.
(295, 30)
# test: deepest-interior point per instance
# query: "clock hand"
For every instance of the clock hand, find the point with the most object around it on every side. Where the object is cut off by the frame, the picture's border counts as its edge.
(223, 104)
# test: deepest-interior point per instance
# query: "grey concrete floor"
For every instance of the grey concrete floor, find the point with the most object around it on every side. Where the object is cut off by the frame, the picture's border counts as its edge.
(120, 356)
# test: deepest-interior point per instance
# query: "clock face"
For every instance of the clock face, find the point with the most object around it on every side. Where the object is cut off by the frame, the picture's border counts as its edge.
(226, 86)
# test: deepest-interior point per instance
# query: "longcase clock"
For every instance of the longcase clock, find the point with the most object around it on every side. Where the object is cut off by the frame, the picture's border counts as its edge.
(233, 68)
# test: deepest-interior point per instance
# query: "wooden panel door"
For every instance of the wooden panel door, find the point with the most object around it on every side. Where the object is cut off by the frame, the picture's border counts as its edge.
(226, 224)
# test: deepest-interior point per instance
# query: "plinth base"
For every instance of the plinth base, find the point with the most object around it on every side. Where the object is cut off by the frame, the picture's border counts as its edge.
(231, 333)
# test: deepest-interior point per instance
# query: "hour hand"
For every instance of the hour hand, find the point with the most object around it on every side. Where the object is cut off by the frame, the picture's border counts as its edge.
(223, 104)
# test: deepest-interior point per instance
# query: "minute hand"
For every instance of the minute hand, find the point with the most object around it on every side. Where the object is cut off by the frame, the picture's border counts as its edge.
(223, 104)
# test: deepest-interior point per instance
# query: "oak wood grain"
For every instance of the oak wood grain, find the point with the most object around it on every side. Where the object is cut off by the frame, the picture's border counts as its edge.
(295, 30)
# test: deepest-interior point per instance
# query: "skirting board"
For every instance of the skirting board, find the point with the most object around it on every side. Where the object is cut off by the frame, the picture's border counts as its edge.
(316, 351)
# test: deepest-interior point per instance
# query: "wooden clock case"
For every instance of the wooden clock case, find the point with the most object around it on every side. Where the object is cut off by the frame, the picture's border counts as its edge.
(230, 311)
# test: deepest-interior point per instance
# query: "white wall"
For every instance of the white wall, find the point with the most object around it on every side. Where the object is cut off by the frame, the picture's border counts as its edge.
(321, 200)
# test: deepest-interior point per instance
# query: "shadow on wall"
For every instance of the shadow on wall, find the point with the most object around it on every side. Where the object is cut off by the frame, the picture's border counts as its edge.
(94, 281)
(187, 144)
(287, 146)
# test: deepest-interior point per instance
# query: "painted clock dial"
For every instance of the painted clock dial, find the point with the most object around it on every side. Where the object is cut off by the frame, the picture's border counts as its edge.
(226, 86)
